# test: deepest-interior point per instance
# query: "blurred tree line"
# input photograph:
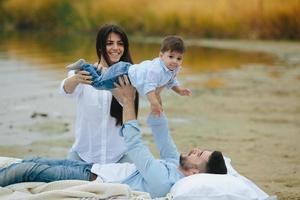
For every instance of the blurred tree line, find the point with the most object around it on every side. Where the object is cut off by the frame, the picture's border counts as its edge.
(255, 19)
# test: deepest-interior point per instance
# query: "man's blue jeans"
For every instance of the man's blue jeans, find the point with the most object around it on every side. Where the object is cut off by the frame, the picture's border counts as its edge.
(106, 80)
(44, 170)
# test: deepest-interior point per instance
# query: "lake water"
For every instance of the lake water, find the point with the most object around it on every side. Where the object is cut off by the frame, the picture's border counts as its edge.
(44, 52)
(32, 66)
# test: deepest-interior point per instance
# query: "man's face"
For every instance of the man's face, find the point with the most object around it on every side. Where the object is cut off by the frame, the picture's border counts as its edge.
(196, 158)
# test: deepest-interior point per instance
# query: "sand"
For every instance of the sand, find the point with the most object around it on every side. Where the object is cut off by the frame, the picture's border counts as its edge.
(252, 114)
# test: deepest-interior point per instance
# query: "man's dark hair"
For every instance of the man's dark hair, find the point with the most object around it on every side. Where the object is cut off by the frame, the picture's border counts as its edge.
(172, 43)
(216, 163)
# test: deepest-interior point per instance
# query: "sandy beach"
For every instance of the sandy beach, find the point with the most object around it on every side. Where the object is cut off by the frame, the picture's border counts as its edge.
(251, 113)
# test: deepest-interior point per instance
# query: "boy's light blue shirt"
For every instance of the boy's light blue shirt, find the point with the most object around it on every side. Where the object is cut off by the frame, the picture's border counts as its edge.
(151, 74)
(153, 175)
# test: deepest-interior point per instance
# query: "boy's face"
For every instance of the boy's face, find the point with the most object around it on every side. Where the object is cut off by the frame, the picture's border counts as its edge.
(172, 59)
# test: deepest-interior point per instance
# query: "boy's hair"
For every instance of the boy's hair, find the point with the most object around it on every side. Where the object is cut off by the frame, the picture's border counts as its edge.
(216, 163)
(172, 43)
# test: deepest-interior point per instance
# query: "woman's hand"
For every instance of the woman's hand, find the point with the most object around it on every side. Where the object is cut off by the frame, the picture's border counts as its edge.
(79, 77)
(83, 77)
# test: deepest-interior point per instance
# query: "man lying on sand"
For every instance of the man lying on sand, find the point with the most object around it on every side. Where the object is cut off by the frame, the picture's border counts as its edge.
(155, 176)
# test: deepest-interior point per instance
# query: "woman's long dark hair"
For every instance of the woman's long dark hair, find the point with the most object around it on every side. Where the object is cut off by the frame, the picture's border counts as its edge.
(115, 108)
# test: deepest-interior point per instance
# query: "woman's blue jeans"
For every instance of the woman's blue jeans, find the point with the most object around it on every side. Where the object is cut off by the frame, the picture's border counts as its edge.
(44, 170)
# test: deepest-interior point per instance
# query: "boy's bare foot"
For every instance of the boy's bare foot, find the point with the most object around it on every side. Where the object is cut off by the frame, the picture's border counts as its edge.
(76, 65)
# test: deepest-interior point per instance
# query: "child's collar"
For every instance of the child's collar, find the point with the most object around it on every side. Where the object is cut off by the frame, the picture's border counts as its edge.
(165, 67)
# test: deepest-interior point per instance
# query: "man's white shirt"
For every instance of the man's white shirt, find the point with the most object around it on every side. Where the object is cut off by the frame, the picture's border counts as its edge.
(114, 172)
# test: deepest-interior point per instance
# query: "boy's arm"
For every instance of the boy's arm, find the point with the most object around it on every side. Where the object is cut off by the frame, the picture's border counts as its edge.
(182, 91)
(156, 108)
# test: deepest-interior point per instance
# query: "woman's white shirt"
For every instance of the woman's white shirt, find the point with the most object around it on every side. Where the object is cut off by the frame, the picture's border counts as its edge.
(97, 138)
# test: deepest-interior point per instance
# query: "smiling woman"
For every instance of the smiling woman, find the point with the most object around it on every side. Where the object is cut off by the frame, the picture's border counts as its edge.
(114, 47)
(99, 115)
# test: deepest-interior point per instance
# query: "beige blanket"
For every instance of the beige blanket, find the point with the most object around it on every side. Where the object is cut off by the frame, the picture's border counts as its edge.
(68, 189)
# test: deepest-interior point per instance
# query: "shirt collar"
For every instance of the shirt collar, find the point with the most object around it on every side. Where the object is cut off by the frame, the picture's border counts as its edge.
(162, 64)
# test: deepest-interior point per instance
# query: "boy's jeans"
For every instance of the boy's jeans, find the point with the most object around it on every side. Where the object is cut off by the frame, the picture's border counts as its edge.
(106, 80)
(44, 170)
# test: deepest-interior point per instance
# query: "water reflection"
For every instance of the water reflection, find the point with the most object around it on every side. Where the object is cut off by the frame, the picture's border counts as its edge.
(199, 59)
(55, 52)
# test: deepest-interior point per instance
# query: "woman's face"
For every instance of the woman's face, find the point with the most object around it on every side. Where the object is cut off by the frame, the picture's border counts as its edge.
(114, 47)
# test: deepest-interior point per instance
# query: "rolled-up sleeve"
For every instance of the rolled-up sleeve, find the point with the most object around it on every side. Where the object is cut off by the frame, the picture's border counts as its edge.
(152, 80)
(173, 82)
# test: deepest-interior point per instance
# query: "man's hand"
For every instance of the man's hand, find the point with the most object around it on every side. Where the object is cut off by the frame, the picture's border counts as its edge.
(126, 94)
(124, 90)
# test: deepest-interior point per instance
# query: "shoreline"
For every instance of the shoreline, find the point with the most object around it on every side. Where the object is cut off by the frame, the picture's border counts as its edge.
(252, 114)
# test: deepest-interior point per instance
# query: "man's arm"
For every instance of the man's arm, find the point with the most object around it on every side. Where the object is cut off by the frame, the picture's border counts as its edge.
(162, 138)
(153, 171)
(159, 126)
(126, 93)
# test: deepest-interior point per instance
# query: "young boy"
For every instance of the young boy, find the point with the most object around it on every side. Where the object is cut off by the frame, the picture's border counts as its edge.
(148, 77)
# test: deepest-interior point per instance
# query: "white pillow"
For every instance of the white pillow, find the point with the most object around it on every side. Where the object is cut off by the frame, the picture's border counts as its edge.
(212, 187)
(259, 192)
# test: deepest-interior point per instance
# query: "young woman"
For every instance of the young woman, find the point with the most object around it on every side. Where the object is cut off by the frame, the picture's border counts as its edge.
(99, 115)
